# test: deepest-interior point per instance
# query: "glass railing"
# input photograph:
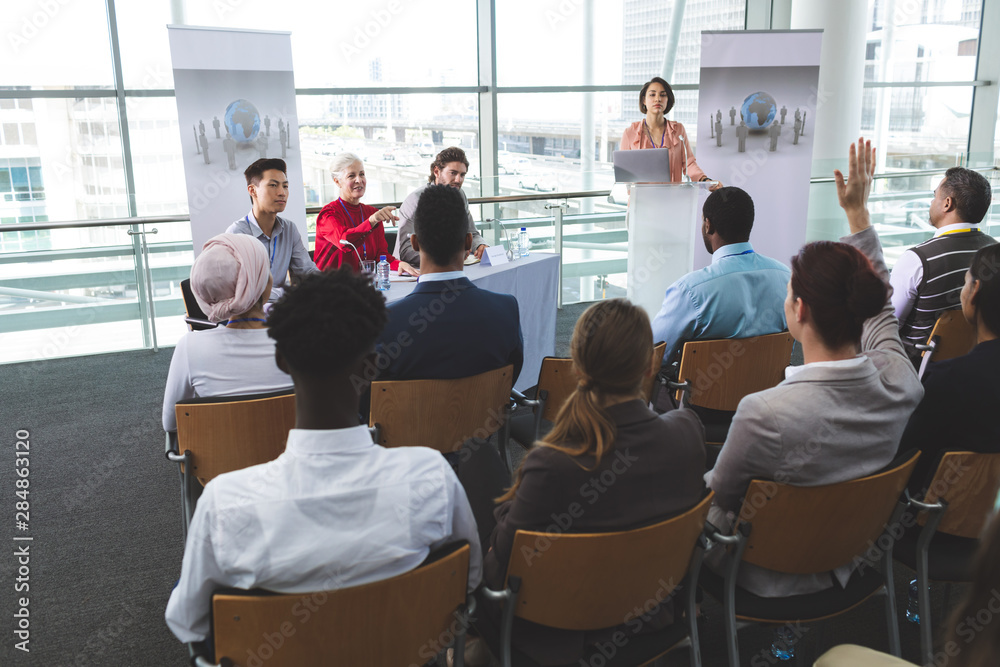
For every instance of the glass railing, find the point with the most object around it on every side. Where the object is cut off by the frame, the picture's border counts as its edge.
(89, 287)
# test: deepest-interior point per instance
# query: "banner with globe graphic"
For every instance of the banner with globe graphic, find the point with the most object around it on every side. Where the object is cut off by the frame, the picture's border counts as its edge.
(757, 99)
(234, 107)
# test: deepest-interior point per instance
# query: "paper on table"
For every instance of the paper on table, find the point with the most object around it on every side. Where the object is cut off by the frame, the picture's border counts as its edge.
(471, 259)
(394, 277)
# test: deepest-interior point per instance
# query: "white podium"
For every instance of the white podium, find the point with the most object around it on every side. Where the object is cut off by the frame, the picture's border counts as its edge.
(663, 225)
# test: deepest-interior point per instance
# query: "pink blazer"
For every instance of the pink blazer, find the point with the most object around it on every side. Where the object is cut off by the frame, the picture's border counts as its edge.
(635, 137)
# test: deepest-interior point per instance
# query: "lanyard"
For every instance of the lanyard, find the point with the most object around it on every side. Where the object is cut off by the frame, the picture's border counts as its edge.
(361, 217)
(959, 231)
(270, 242)
(663, 137)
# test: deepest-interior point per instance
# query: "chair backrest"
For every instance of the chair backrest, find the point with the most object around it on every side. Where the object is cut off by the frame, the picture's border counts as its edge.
(440, 414)
(234, 433)
(723, 371)
(399, 621)
(956, 337)
(810, 529)
(557, 378)
(192, 309)
(969, 483)
(593, 580)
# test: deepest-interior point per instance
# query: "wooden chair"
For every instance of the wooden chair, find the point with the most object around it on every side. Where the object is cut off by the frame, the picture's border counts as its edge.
(405, 620)
(715, 375)
(959, 503)
(221, 434)
(808, 530)
(556, 381)
(441, 414)
(595, 580)
(952, 336)
(196, 319)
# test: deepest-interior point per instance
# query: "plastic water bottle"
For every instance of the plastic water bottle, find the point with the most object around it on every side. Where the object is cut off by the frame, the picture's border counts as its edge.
(783, 643)
(913, 604)
(522, 241)
(382, 271)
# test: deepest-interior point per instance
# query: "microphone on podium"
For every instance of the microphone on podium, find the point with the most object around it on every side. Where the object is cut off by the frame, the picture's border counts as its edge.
(346, 242)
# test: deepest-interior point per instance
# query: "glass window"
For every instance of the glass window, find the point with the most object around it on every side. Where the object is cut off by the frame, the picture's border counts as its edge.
(19, 175)
(156, 160)
(5, 180)
(628, 42)
(11, 136)
(397, 137)
(56, 44)
(389, 43)
(28, 135)
(35, 178)
(62, 156)
(920, 127)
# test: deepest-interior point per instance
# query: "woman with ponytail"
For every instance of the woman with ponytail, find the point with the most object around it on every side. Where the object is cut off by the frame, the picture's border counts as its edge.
(841, 414)
(609, 463)
(961, 394)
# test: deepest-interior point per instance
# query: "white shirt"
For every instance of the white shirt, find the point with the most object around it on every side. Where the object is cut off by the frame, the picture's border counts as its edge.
(908, 273)
(840, 363)
(221, 362)
(440, 276)
(333, 511)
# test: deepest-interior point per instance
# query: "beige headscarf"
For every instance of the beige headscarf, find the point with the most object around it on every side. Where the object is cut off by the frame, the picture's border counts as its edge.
(230, 275)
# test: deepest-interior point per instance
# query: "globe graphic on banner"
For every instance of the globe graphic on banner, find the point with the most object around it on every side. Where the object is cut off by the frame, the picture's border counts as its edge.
(242, 121)
(758, 110)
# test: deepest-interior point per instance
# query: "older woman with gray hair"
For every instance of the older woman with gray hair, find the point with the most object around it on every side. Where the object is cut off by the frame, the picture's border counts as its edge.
(231, 281)
(347, 219)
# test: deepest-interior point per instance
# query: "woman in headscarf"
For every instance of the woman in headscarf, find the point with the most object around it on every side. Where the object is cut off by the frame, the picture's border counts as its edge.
(231, 281)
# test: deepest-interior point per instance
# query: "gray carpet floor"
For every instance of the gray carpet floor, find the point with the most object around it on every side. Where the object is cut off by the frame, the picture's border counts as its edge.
(106, 528)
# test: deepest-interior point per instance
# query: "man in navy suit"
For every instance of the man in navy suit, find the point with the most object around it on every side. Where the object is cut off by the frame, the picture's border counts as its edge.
(447, 327)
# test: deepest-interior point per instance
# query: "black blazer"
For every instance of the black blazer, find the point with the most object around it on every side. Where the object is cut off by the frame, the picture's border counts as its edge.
(958, 411)
(653, 471)
(450, 329)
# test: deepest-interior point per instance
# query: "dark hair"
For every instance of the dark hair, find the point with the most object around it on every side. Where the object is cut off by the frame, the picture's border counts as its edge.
(730, 213)
(982, 648)
(327, 322)
(450, 154)
(256, 170)
(970, 191)
(841, 288)
(666, 87)
(441, 222)
(984, 268)
(612, 350)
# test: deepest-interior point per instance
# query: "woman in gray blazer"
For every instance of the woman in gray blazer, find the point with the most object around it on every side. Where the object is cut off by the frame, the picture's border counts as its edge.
(840, 415)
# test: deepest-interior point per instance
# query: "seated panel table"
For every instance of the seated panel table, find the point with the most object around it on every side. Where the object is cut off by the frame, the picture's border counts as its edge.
(533, 282)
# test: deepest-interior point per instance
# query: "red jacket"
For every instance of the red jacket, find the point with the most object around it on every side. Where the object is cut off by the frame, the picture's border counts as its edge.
(340, 220)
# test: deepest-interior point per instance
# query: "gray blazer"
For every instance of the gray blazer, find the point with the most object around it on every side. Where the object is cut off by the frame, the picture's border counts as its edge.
(824, 424)
(404, 251)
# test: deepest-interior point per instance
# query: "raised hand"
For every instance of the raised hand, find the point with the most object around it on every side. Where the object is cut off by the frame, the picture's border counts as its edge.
(853, 192)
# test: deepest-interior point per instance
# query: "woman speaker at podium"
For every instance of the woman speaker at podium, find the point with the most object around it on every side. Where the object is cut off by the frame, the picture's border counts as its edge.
(656, 99)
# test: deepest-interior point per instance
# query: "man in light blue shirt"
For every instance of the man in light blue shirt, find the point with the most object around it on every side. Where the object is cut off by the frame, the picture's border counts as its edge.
(267, 185)
(739, 295)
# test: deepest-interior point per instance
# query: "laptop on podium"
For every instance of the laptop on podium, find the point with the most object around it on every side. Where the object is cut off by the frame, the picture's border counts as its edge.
(649, 165)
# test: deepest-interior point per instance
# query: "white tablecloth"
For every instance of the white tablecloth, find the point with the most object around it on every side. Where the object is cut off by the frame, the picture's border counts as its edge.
(533, 281)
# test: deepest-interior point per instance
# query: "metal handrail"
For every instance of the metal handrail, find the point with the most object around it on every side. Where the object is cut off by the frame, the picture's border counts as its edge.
(313, 210)
(905, 174)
